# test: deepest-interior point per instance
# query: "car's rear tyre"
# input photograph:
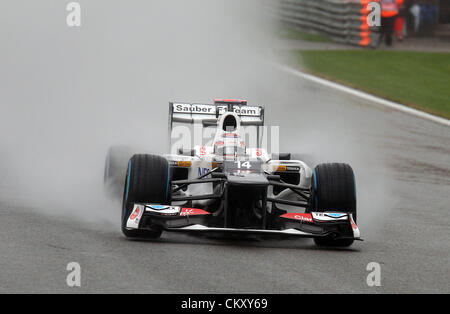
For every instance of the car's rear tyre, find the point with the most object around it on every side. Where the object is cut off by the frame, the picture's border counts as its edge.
(333, 189)
(147, 181)
(116, 164)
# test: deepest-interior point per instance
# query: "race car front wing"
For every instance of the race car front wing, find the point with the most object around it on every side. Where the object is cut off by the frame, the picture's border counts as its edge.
(195, 220)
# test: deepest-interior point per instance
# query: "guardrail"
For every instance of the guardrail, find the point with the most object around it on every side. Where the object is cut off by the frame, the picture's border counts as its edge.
(343, 21)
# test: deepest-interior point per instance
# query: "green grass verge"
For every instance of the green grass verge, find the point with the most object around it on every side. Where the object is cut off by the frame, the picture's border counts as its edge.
(418, 79)
(287, 32)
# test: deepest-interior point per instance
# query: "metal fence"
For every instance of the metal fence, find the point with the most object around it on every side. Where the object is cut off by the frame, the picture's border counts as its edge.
(343, 21)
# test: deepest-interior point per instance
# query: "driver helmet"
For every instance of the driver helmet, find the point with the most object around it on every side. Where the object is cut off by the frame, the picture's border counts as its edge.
(230, 146)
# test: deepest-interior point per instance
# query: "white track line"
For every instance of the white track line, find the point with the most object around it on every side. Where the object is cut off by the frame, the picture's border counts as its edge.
(366, 96)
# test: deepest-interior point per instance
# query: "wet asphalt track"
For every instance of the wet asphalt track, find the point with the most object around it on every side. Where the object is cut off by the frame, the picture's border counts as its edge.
(403, 172)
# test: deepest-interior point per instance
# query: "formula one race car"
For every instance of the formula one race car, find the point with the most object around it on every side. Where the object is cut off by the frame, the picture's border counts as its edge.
(228, 188)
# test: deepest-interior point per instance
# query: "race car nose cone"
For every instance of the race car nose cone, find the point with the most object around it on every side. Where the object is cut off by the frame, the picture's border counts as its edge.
(250, 179)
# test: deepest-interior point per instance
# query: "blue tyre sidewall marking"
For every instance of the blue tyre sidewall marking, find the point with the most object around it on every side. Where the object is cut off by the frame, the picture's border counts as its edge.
(315, 190)
(315, 180)
(167, 184)
(128, 180)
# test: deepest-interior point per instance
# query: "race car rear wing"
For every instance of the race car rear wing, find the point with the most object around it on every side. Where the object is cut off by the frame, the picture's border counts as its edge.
(209, 114)
(191, 113)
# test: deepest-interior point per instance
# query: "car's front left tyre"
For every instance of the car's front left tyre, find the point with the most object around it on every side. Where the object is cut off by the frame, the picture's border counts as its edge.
(333, 189)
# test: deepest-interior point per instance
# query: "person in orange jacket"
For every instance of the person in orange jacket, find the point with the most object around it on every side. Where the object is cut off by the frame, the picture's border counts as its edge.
(399, 23)
(389, 12)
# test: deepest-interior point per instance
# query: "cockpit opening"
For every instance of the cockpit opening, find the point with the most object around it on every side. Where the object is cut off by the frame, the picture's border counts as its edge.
(229, 123)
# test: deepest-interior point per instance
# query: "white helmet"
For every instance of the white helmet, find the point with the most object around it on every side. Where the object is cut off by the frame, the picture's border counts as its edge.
(229, 146)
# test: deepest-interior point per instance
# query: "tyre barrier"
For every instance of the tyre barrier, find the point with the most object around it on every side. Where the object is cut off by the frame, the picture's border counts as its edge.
(344, 21)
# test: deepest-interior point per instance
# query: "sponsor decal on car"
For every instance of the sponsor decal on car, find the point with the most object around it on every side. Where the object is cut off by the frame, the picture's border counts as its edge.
(193, 211)
(162, 209)
(230, 135)
(335, 215)
(158, 207)
(212, 109)
(135, 213)
(166, 210)
(242, 111)
(195, 108)
(329, 216)
(356, 232)
(203, 171)
(299, 216)
(135, 217)
(354, 226)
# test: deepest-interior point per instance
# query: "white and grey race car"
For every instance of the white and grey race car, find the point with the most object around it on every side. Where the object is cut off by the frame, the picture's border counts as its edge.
(229, 188)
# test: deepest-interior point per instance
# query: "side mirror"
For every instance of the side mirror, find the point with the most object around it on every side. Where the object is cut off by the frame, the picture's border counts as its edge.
(186, 152)
(209, 122)
(281, 156)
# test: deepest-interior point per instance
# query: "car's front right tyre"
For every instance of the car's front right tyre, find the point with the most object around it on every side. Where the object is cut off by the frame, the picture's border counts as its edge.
(146, 182)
